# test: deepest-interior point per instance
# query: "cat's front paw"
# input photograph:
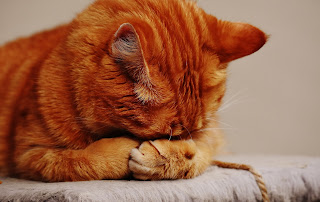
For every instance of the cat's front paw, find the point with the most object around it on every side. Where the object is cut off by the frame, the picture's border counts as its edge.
(109, 157)
(163, 159)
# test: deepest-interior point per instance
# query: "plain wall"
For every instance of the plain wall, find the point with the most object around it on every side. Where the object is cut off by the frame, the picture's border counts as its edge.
(273, 94)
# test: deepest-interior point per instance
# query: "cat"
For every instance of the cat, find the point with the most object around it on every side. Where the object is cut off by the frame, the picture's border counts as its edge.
(128, 88)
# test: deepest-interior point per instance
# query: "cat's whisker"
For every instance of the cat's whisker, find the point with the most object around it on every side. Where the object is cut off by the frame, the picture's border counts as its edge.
(236, 101)
(236, 94)
(228, 104)
(223, 123)
(170, 134)
(205, 129)
(187, 131)
(241, 100)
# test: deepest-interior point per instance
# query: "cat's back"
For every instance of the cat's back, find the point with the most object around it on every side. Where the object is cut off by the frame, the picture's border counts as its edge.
(24, 53)
(20, 62)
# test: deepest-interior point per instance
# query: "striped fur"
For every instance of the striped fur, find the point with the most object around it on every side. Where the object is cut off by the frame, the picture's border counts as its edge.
(82, 101)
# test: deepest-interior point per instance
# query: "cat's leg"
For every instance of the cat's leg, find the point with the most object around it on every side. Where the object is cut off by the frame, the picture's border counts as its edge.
(103, 159)
(175, 159)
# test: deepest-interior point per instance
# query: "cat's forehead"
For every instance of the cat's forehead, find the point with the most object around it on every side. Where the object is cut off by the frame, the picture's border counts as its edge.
(177, 38)
(182, 27)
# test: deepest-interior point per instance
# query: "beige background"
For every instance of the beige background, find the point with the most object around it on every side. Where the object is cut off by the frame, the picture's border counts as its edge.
(273, 94)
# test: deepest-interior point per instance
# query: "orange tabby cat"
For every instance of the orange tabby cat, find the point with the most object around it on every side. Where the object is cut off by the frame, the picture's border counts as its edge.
(129, 86)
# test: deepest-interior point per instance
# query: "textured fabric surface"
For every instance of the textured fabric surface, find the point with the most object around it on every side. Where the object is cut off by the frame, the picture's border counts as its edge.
(288, 178)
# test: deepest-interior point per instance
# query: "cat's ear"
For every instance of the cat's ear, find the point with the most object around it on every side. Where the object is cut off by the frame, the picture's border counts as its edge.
(236, 40)
(127, 52)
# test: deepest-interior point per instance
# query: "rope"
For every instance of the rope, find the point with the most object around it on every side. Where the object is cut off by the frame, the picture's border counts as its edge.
(249, 168)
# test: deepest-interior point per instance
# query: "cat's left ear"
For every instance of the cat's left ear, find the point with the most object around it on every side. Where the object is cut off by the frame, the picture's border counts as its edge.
(126, 50)
(236, 40)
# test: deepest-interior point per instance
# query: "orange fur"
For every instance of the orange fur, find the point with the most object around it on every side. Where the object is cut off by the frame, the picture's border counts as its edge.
(129, 86)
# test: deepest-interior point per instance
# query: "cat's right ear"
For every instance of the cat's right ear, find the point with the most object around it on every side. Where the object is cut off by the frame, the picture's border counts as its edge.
(127, 52)
(234, 40)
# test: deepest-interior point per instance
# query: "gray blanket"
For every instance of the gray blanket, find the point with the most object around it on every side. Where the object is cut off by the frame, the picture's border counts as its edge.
(288, 178)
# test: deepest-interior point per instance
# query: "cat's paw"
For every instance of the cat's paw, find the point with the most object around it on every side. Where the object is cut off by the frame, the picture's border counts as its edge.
(163, 159)
(109, 157)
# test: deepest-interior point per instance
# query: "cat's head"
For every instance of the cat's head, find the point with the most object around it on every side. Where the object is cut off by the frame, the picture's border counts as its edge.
(153, 68)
